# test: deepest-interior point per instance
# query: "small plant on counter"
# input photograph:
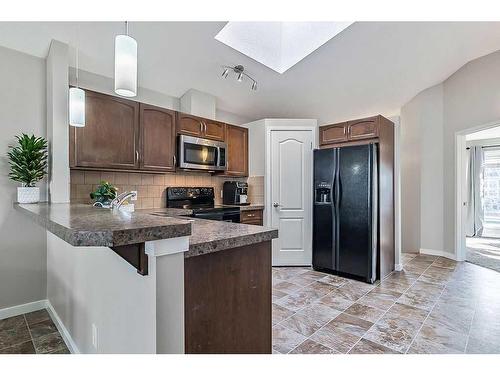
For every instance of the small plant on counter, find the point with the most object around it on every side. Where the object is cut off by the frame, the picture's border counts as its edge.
(28, 165)
(104, 194)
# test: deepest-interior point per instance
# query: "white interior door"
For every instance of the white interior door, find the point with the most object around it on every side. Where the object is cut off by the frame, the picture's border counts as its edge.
(291, 196)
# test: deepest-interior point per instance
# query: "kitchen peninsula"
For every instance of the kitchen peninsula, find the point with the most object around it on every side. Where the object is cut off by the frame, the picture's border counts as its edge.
(177, 285)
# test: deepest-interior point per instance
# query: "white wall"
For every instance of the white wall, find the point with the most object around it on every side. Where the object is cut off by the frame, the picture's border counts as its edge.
(105, 85)
(231, 118)
(471, 99)
(93, 285)
(256, 147)
(257, 140)
(22, 246)
(96, 82)
(57, 121)
(466, 100)
(422, 171)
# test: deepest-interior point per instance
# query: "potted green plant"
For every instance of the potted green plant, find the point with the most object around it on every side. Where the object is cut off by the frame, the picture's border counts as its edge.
(28, 165)
(104, 194)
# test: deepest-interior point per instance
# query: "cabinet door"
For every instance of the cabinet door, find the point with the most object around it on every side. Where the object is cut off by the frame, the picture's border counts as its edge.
(332, 134)
(213, 130)
(157, 138)
(237, 150)
(110, 137)
(190, 125)
(363, 129)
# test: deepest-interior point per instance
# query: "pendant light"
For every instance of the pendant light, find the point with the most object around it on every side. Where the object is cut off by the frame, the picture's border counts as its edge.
(76, 102)
(125, 64)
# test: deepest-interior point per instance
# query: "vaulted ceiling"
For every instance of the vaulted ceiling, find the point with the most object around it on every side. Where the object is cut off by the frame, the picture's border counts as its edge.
(371, 67)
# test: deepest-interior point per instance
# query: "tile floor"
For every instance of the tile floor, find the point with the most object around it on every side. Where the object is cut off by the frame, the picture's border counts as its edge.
(32, 333)
(435, 305)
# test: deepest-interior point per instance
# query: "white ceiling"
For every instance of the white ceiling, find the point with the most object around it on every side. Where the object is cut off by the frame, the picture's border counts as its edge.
(278, 45)
(369, 68)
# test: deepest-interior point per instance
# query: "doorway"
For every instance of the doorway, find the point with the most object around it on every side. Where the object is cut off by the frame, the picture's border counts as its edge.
(289, 191)
(481, 198)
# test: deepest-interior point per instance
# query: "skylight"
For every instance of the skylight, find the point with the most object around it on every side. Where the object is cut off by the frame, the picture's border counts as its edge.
(278, 45)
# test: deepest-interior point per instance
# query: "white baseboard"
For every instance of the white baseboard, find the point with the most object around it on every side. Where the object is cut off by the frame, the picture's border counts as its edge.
(22, 309)
(62, 329)
(39, 305)
(398, 267)
(439, 253)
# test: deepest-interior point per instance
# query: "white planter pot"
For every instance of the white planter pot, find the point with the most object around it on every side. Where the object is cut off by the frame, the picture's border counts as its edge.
(28, 194)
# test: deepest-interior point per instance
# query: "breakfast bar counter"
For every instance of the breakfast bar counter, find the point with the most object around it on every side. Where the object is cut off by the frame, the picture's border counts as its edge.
(204, 286)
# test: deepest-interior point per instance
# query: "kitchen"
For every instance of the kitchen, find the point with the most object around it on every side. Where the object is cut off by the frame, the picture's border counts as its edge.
(162, 164)
(164, 223)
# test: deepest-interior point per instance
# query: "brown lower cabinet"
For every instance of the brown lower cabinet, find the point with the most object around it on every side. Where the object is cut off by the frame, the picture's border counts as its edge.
(252, 217)
(227, 301)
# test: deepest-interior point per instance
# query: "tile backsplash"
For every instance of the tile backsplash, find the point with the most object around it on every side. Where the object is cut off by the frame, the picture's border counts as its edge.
(151, 188)
(256, 189)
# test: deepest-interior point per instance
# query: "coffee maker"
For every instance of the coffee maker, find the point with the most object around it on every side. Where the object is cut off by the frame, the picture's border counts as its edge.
(235, 192)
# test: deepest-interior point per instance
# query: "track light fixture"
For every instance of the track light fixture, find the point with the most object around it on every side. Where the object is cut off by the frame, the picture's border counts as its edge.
(240, 71)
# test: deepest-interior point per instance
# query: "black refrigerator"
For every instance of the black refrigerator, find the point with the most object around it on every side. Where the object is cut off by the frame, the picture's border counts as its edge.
(345, 212)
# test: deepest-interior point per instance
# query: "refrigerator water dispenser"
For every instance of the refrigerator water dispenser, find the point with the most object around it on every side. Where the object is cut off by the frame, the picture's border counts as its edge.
(323, 193)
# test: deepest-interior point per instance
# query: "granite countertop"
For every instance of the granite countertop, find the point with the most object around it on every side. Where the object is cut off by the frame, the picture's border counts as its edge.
(84, 225)
(208, 236)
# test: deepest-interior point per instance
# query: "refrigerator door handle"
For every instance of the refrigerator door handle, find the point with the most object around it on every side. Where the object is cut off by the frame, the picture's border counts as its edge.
(334, 212)
(336, 204)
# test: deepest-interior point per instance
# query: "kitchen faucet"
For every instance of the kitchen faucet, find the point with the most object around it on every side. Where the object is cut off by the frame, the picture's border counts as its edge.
(120, 199)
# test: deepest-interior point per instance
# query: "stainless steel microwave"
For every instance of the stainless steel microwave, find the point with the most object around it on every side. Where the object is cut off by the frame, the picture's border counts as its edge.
(200, 153)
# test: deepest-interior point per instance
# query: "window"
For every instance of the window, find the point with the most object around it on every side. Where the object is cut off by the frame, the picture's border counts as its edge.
(491, 185)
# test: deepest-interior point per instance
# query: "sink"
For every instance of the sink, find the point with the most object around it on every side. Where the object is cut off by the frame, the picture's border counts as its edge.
(163, 214)
(127, 208)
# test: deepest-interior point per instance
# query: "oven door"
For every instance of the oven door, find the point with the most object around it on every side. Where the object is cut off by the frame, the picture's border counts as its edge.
(199, 153)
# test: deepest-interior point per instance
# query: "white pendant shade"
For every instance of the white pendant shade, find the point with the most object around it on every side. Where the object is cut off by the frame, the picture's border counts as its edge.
(125, 66)
(76, 107)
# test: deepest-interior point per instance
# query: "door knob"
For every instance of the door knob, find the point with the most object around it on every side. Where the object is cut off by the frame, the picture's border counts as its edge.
(275, 204)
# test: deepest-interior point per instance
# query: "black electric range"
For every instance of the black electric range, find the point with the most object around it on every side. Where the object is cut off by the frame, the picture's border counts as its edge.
(201, 201)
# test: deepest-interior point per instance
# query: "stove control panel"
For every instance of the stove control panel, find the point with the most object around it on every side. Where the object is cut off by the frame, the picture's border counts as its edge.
(190, 193)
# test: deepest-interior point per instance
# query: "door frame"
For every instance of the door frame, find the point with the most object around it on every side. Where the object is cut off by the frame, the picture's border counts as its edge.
(460, 182)
(286, 126)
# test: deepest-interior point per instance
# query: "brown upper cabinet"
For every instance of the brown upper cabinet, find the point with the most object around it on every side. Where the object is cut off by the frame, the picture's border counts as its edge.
(123, 134)
(200, 127)
(237, 150)
(363, 129)
(333, 133)
(110, 138)
(350, 131)
(157, 138)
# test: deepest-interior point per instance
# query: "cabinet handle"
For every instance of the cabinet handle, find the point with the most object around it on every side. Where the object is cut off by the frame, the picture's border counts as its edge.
(175, 160)
(250, 215)
(201, 127)
(136, 155)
